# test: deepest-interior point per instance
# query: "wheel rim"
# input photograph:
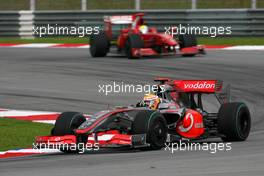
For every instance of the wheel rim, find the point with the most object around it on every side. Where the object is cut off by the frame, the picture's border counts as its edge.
(159, 133)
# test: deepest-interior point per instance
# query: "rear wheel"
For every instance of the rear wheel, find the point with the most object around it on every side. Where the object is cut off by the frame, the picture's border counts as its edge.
(153, 124)
(133, 41)
(234, 121)
(66, 123)
(99, 45)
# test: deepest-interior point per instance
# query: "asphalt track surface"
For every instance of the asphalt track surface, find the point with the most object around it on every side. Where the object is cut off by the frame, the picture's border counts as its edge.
(68, 79)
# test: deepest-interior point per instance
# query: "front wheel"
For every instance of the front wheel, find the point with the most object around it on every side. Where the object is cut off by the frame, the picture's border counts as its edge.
(186, 41)
(66, 123)
(133, 42)
(234, 121)
(153, 124)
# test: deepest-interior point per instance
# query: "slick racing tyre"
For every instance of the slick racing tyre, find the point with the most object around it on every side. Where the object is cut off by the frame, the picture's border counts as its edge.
(66, 123)
(133, 41)
(153, 124)
(187, 40)
(234, 121)
(99, 45)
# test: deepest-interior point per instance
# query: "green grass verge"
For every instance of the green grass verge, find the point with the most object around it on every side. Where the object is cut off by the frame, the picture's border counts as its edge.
(207, 4)
(202, 40)
(166, 4)
(58, 4)
(125, 4)
(231, 40)
(20, 134)
(110, 4)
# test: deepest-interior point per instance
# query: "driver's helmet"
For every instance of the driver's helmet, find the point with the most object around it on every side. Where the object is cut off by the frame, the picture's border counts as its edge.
(143, 29)
(152, 101)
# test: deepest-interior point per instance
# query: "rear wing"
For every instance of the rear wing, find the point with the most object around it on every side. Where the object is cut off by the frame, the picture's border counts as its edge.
(195, 86)
(204, 87)
(192, 86)
(199, 87)
(122, 19)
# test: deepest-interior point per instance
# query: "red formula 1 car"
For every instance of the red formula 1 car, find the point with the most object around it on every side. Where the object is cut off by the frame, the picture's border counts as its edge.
(128, 35)
(173, 113)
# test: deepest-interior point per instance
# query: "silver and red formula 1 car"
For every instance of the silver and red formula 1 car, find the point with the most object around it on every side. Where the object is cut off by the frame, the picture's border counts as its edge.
(174, 112)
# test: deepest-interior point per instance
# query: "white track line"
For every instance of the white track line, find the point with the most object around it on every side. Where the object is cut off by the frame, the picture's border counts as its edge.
(22, 113)
(246, 47)
(35, 45)
(45, 121)
(85, 46)
(30, 151)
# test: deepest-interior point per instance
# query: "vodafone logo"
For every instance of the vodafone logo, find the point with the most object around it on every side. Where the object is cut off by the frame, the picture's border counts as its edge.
(182, 128)
(199, 85)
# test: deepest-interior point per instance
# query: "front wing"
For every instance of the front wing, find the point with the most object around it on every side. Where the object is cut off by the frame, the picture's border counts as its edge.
(184, 51)
(103, 139)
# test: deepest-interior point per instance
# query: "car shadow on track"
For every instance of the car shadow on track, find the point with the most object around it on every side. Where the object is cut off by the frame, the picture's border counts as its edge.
(151, 57)
(93, 152)
(119, 150)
